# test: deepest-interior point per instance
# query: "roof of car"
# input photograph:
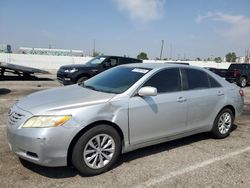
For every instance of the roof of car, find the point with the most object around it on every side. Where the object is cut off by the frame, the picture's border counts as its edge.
(158, 65)
(118, 57)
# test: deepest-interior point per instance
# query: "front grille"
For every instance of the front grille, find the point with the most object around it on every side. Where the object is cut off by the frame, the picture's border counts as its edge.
(15, 118)
(60, 77)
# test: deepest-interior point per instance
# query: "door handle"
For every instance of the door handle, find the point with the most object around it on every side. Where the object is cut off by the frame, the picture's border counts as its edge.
(181, 99)
(220, 93)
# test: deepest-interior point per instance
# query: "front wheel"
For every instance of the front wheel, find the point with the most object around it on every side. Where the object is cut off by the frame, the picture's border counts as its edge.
(223, 124)
(81, 80)
(97, 150)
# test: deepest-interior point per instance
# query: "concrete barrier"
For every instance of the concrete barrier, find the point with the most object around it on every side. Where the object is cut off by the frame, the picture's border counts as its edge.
(45, 62)
(52, 63)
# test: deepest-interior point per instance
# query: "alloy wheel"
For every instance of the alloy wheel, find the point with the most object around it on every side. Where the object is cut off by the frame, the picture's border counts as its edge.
(243, 82)
(225, 122)
(99, 151)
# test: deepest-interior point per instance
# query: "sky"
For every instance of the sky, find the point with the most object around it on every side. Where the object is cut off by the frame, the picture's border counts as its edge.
(189, 28)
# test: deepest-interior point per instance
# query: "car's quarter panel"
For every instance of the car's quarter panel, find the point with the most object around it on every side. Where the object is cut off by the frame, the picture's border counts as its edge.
(234, 99)
(152, 118)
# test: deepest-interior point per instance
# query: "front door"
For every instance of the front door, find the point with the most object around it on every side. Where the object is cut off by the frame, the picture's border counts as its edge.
(155, 117)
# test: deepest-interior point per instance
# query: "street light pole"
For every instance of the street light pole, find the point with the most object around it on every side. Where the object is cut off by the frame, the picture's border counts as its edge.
(162, 44)
(94, 48)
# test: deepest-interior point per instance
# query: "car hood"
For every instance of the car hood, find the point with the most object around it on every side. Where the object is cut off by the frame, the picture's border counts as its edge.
(62, 99)
(76, 66)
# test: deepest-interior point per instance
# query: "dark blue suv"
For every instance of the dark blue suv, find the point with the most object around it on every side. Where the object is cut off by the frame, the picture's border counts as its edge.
(71, 74)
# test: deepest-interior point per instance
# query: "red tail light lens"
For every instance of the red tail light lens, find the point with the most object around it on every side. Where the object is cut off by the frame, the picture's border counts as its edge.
(235, 72)
(241, 92)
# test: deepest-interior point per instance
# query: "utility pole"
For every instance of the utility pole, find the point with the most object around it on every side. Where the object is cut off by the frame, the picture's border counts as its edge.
(94, 48)
(162, 44)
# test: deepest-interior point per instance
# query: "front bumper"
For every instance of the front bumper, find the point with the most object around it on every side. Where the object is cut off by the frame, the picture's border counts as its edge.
(43, 146)
(64, 79)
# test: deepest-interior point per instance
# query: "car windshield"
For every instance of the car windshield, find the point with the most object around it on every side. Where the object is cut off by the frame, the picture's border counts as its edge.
(115, 80)
(96, 61)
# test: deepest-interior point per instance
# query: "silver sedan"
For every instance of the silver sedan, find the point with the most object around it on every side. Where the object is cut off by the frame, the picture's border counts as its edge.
(125, 108)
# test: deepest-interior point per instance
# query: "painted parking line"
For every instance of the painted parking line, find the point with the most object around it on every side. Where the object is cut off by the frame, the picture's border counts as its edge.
(152, 182)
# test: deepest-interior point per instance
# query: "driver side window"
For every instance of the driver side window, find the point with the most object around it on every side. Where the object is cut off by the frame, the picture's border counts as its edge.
(167, 80)
(113, 62)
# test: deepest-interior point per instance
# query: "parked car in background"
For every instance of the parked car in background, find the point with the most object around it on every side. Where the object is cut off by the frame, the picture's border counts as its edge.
(71, 74)
(120, 110)
(239, 73)
(220, 72)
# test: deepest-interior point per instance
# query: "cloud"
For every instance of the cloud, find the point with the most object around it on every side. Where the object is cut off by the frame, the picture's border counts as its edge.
(142, 11)
(237, 26)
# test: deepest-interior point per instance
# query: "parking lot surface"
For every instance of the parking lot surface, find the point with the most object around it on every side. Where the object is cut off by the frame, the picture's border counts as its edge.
(195, 161)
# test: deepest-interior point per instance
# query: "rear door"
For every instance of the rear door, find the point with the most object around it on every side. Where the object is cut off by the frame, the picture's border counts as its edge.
(155, 117)
(204, 97)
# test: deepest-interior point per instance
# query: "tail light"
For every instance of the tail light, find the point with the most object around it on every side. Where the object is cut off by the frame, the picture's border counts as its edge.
(241, 92)
(236, 72)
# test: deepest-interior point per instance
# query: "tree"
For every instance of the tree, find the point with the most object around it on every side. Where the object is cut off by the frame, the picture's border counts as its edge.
(218, 59)
(96, 54)
(231, 57)
(142, 56)
(198, 59)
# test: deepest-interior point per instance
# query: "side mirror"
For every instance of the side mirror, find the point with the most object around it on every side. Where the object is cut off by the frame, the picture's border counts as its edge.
(147, 91)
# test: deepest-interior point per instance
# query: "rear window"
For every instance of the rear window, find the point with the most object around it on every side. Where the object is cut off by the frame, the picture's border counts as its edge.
(237, 66)
(213, 82)
(129, 60)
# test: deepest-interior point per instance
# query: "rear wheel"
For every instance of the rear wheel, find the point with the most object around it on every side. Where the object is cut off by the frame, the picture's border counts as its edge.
(223, 124)
(97, 150)
(242, 82)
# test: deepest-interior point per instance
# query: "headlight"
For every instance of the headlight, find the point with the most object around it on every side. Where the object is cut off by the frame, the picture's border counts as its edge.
(45, 121)
(71, 70)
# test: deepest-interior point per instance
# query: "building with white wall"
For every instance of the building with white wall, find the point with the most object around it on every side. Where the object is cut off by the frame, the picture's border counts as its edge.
(48, 51)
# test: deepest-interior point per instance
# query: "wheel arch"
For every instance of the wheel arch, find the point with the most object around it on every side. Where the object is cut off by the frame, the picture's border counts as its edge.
(83, 74)
(85, 129)
(244, 76)
(229, 107)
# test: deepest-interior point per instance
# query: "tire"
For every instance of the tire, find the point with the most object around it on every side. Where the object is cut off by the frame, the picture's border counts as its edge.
(82, 79)
(222, 126)
(91, 158)
(242, 82)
